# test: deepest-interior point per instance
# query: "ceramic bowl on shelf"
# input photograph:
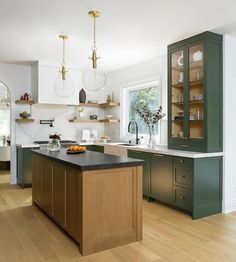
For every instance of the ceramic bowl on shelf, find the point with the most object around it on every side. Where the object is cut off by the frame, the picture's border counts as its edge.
(24, 115)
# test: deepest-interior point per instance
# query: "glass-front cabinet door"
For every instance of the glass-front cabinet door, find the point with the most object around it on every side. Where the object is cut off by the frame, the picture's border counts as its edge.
(177, 93)
(195, 94)
(196, 91)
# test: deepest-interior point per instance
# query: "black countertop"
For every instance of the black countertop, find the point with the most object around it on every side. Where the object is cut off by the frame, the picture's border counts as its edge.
(89, 160)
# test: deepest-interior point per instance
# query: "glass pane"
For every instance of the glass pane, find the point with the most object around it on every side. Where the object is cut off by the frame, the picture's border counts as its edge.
(196, 100)
(177, 94)
(138, 98)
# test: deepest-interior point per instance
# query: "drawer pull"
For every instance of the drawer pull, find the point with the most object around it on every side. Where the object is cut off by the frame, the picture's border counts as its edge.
(184, 145)
(183, 176)
(182, 197)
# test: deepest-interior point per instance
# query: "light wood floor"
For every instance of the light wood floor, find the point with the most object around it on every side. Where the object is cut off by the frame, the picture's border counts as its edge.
(26, 234)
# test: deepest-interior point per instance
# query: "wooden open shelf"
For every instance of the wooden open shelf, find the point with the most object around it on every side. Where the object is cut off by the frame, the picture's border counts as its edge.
(196, 101)
(110, 121)
(83, 121)
(178, 68)
(25, 102)
(24, 121)
(196, 65)
(180, 85)
(177, 103)
(89, 104)
(196, 83)
(110, 104)
(103, 105)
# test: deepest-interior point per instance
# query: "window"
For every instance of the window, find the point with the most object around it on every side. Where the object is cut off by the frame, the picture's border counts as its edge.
(4, 123)
(134, 97)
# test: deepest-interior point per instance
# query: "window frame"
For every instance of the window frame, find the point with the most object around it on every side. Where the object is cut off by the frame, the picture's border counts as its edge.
(124, 112)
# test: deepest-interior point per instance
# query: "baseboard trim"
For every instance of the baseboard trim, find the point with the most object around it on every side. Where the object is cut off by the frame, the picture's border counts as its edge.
(229, 206)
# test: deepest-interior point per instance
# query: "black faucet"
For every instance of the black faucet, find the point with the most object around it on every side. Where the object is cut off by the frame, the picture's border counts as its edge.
(136, 129)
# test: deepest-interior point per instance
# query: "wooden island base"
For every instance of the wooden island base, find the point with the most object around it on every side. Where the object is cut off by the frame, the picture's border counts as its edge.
(100, 209)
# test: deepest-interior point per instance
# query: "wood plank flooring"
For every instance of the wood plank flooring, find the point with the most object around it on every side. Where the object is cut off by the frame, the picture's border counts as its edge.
(26, 234)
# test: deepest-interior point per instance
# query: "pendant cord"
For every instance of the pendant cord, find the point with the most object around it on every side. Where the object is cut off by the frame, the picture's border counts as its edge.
(94, 33)
(63, 53)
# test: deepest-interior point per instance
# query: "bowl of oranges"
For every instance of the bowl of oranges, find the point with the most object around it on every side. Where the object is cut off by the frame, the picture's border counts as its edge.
(76, 149)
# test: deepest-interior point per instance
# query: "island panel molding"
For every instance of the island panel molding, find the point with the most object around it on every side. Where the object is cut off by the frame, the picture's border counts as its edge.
(99, 208)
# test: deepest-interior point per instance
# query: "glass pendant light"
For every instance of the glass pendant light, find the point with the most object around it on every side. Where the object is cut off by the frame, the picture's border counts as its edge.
(64, 85)
(93, 77)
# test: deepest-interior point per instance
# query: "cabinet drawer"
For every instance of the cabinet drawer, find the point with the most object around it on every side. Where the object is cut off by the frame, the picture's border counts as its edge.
(183, 176)
(183, 198)
(183, 161)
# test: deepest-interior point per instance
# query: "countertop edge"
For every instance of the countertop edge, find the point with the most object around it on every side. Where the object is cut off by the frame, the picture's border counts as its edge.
(94, 166)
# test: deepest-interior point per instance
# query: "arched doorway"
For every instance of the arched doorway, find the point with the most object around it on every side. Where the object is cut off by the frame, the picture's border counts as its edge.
(5, 125)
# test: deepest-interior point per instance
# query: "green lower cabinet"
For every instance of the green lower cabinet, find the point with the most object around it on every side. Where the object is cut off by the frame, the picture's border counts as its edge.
(161, 178)
(24, 167)
(146, 168)
(95, 148)
(190, 184)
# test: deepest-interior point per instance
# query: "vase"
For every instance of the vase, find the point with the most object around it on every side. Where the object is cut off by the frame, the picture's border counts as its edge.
(82, 96)
(54, 145)
(151, 141)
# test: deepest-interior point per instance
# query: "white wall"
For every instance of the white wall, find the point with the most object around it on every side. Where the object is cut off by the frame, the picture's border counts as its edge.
(134, 74)
(229, 174)
(18, 80)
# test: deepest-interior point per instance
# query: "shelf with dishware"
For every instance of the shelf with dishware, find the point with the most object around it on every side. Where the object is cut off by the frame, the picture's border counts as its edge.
(24, 120)
(25, 116)
(101, 105)
(86, 120)
(194, 91)
(24, 102)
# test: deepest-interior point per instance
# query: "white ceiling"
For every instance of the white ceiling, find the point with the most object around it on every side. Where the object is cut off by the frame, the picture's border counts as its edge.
(128, 32)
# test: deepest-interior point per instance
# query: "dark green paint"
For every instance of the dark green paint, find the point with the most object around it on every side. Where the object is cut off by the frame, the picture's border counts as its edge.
(146, 169)
(24, 167)
(213, 94)
(161, 178)
(192, 185)
(95, 148)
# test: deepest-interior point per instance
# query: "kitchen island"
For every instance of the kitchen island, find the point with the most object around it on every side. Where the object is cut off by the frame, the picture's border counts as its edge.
(96, 198)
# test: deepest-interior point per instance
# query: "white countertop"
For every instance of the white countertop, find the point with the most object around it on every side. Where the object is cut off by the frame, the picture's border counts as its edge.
(28, 145)
(157, 149)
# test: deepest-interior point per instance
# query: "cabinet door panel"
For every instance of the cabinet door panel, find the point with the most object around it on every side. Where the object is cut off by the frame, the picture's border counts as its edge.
(146, 168)
(47, 186)
(73, 202)
(37, 172)
(161, 178)
(59, 193)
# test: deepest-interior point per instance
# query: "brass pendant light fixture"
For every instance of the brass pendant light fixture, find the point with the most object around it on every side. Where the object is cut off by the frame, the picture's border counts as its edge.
(94, 78)
(64, 86)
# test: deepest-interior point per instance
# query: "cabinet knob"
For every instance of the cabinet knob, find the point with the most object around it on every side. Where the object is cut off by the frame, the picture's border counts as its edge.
(182, 197)
(181, 161)
(183, 176)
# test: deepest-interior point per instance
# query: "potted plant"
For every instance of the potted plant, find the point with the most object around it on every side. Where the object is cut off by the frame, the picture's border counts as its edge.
(151, 119)
(54, 144)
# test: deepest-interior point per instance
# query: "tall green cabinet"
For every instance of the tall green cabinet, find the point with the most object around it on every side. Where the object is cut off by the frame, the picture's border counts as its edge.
(195, 94)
